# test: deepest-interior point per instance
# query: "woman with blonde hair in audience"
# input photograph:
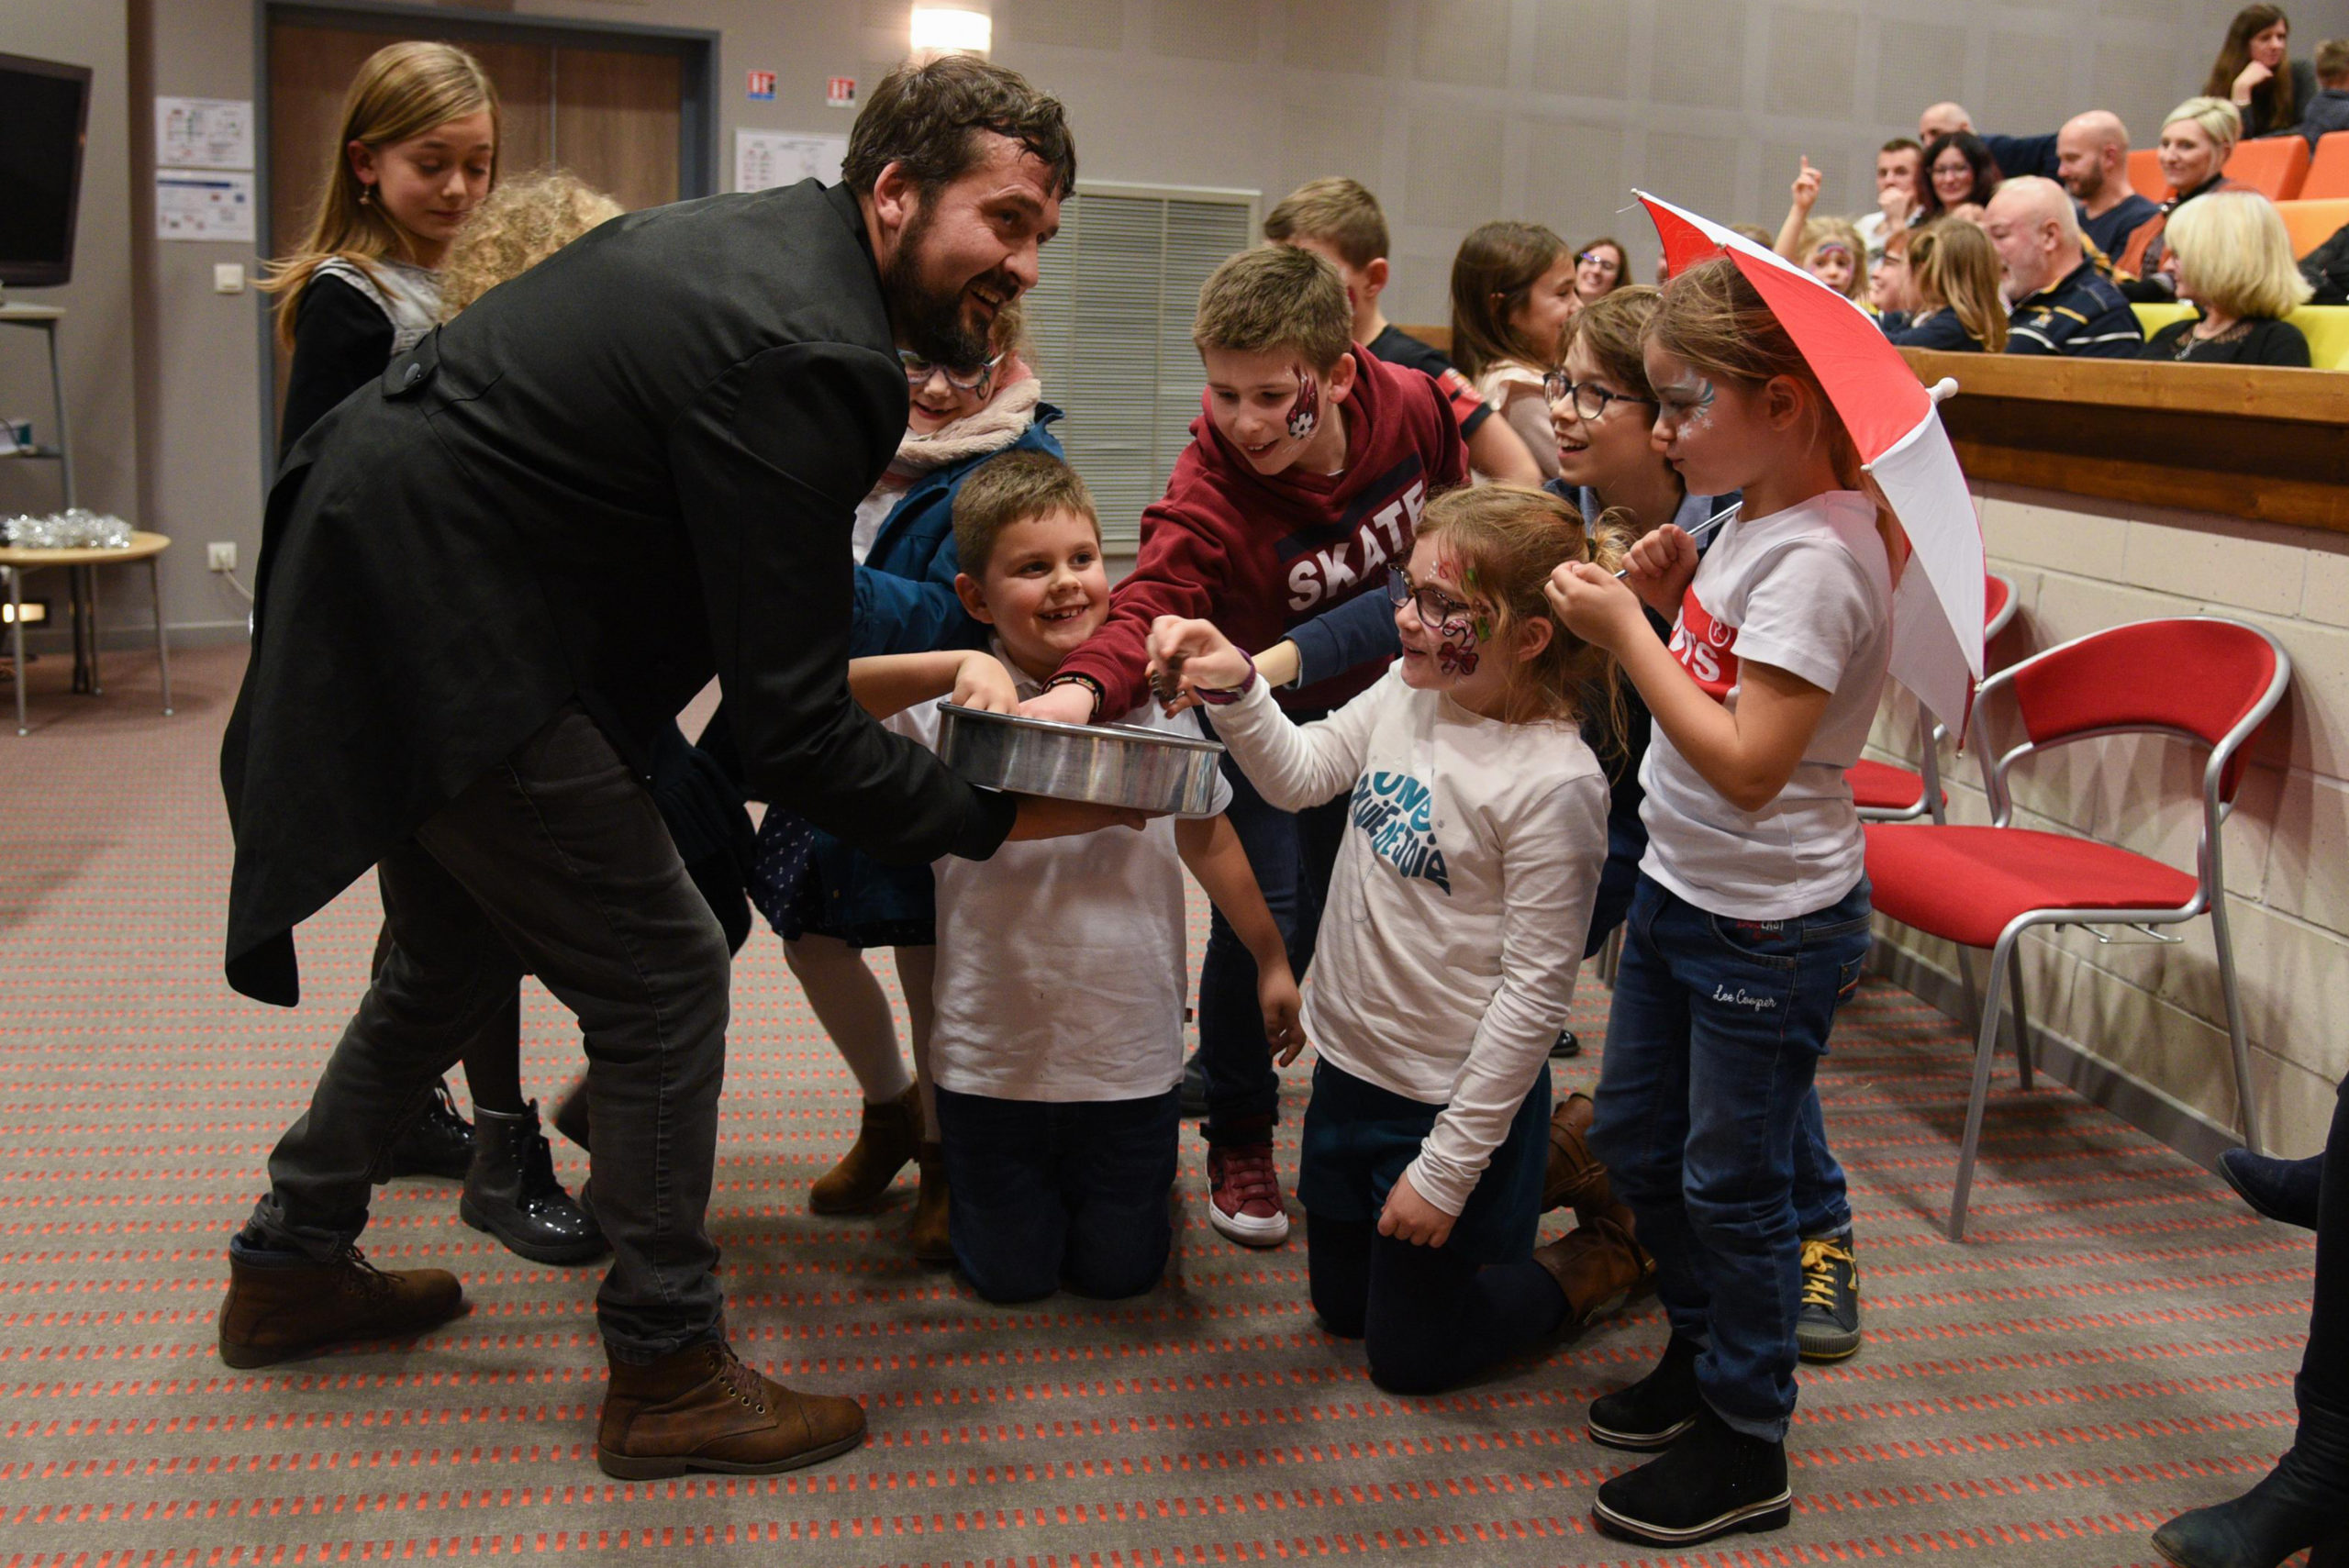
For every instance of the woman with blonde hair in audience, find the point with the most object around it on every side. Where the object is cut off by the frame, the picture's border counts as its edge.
(1513, 291)
(2232, 258)
(2197, 138)
(1953, 269)
(2252, 72)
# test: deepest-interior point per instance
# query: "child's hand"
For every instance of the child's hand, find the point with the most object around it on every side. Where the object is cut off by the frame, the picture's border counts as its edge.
(1408, 1217)
(1595, 605)
(1070, 704)
(981, 681)
(1189, 655)
(1276, 995)
(1806, 187)
(1659, 568)
(1043, 817)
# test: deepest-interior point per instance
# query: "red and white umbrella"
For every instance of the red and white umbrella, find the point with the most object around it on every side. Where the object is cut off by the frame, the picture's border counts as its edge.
(1936, 607)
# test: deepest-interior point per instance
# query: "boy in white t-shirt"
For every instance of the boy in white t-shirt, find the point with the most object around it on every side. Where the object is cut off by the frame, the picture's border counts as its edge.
(1062, 972)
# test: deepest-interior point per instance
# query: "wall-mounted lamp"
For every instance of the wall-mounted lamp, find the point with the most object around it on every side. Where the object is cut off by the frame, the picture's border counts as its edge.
(949, 30)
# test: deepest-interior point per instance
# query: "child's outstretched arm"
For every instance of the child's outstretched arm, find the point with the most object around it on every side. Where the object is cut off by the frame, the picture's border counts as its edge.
(1215, 856)
(1552, 855)
(1747, 754)
(1293, 767)
(885, 684)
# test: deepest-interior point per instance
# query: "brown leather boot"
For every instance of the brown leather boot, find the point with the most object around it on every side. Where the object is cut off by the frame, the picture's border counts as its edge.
(282, 1305)
(702, 1409)
(1574, 1175)
(930, 1242)
(1598, 1265)
(889, 1137)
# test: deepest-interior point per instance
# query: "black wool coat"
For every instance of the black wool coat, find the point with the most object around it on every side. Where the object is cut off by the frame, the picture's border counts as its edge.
(631, 468)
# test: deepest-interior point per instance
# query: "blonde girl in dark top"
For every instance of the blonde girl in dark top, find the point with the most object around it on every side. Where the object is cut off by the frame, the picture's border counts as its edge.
(416, 153)
(2232, 258)
(1954, 269)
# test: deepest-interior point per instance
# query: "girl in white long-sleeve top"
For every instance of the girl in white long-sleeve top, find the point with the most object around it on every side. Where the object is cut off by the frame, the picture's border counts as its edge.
(1451, 936)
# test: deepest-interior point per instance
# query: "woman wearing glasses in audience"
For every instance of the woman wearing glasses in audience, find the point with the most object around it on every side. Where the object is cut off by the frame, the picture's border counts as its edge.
(1600, 268)
(826, 901)
(1959, 175)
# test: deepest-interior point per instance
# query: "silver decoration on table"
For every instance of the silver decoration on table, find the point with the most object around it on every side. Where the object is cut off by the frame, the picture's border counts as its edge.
(1109, 764)
(76, 527)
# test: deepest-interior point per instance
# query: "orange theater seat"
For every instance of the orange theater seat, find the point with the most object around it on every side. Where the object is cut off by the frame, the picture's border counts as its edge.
(2311, 223)
(2274, 166)
(2327, 174)
(2145, 174)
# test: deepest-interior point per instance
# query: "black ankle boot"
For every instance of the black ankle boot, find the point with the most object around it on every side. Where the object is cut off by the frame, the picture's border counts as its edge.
(438, 1143)
(2303, 1502)
(1657, 1409)
(2281, 1190)
(511, 1192)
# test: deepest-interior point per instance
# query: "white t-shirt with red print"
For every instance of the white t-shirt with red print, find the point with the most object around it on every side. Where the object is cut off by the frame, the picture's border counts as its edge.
(1808, 591)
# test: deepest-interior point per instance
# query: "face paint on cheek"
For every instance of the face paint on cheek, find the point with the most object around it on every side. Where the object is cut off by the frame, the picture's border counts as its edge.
(1305, 413)
(1693, 400)
(1456, 658)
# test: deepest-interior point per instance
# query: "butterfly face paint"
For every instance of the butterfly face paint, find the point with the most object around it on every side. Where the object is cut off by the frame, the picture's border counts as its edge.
(1305, 413)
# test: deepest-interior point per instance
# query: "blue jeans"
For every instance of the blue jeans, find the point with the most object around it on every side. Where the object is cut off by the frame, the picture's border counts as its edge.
(1041, 1194)
(1716, 1032)
(1823, 1202)
(1292, 853)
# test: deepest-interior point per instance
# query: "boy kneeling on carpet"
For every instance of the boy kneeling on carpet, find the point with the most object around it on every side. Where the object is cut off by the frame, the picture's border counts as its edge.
(1062, 971)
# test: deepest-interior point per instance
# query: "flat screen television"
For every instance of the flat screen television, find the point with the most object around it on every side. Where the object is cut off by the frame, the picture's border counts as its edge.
(44, 116)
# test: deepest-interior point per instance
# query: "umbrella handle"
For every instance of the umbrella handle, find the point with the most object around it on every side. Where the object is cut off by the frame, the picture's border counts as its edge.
(1943, 390)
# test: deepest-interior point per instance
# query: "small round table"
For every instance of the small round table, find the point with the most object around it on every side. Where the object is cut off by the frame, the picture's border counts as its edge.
(82, 579)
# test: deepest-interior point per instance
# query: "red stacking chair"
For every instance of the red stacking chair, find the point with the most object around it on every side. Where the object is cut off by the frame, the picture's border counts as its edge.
(2275, 166)
(1983, 887)
(2328, 176)
(2145, 176)
(1888, 794)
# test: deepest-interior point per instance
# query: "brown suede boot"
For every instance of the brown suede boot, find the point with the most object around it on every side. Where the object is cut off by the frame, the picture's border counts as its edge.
(891, 1133)
(281, 1306)
(1574, 1175)
(702, 1409)
(1598, 1265)
(930, 1241)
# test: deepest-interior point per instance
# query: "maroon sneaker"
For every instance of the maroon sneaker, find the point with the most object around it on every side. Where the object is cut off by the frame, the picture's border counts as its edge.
(1244, 1193)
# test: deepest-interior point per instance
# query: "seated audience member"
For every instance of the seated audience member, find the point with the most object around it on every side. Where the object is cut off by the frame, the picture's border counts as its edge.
(2232, 257)
(2092, 160)
(2015, 154)
(2196, 139)
(2062, 304)
(1339, 220)
(2326, 268)
(1955, 272)
(2304, 1501)
(1897, 164)
(2252, 73)
(1061, 972)
(1511, 286)
(1959, 176)
(1600, 268)
(1892, 293)
(2329, 110)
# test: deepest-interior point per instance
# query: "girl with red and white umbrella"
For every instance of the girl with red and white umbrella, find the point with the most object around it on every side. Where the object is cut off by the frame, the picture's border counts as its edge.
(1751, 920)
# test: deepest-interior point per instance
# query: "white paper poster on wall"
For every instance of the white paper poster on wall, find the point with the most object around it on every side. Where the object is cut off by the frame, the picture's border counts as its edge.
(201, 205)
(767, 158)
(204, 133)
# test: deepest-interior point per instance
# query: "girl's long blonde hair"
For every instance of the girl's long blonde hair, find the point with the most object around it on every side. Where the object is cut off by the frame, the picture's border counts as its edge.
(520, 224)
(1500, 542)
(1955, 268)
(402, 90)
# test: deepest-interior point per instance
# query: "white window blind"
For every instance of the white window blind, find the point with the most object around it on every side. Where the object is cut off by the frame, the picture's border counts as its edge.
(1111, 315)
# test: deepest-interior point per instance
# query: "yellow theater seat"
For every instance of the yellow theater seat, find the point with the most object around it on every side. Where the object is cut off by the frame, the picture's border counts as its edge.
(2326, 327)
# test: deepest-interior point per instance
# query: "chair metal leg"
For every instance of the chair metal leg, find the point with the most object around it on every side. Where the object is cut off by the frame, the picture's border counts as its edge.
(90, 591)
(162, 640)
(1973, 992)
(16, 634)
(2235, 1036)
(2023, 1022)
(1984, 1051)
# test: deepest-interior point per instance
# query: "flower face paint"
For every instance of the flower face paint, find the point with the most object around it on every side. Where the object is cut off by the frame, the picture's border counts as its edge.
(1304, 414)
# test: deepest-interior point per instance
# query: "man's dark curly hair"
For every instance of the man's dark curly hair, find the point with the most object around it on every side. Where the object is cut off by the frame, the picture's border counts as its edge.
(925, 118)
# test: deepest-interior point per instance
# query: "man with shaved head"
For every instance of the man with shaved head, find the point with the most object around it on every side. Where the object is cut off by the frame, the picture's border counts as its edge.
(2015, 154)
(2092, 160)
(2062, 304)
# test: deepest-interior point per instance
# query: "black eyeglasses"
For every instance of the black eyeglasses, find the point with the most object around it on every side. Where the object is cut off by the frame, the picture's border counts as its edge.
(1438, 610)
(1599, 258)
(1590, 398)
(979, 382)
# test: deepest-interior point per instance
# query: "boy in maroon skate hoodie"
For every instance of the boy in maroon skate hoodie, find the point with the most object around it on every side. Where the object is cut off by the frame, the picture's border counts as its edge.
(1304, 477)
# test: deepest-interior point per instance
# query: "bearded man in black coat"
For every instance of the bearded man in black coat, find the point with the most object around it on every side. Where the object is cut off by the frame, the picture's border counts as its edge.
(487, 585)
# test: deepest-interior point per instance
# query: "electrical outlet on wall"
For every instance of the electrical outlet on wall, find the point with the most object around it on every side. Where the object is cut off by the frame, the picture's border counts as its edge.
(228, 277)
(220, 556)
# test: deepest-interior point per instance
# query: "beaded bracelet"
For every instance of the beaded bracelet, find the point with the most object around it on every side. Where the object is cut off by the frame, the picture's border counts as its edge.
(1225, 695)
(1071, 678)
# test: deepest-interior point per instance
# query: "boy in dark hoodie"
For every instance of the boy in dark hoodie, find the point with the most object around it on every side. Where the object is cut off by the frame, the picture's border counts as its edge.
(1304, 477)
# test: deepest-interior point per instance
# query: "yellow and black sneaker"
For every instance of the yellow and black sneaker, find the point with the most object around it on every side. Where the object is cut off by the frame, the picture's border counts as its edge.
(1828, 1328)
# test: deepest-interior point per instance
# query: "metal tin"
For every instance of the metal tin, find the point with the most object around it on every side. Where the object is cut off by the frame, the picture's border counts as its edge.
(1109, 764)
